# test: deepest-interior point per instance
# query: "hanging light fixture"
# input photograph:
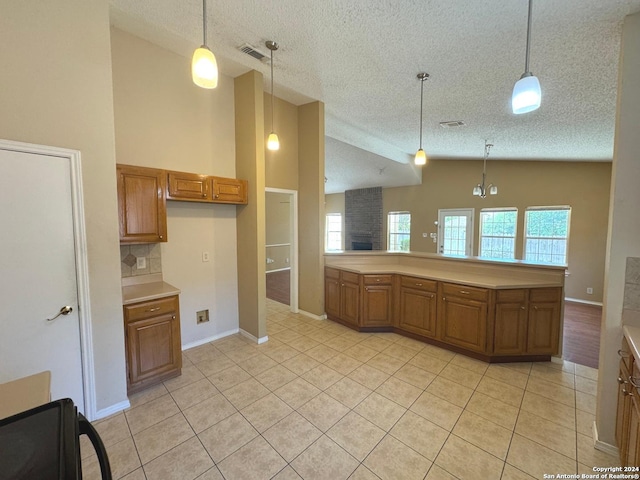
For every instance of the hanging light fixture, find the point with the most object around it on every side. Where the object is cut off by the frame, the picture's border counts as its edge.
(421, 157)
(273, 143)
(204, 68)
(526, 95)
(480, 190)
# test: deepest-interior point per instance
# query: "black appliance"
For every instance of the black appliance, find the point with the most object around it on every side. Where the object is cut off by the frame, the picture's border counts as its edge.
(44, 444)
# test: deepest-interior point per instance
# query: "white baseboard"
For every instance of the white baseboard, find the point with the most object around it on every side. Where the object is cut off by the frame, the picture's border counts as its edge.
(218, 336)
(603, 446)
(312, 315)
(259, 341)
(106, 412)
(279, 270)
(579, 300)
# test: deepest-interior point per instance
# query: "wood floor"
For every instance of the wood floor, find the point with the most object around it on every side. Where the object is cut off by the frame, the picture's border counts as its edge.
(278, 284)
(581, 342)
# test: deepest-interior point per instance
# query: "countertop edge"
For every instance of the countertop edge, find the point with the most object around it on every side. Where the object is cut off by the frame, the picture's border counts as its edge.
(632, 334)
(147, 291)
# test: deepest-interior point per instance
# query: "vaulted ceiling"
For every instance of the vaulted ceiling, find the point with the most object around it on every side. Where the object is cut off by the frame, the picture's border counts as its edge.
(361, 59)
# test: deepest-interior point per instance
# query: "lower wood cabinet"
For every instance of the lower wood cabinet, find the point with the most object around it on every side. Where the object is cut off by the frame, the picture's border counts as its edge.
(494, 324)
(463, 317)
(628, 409)
(417, 306)
(153, 346)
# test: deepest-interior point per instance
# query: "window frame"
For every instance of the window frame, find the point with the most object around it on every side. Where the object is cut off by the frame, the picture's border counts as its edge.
(480, 236)
(327, 231)
(566, 208)
(389, 232)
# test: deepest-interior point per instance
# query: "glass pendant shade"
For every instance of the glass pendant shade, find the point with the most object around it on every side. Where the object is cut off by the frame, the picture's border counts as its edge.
(493, 190)
(421, 158)
(526, 94)
(477, 190)
(273, 143)
(204, 68)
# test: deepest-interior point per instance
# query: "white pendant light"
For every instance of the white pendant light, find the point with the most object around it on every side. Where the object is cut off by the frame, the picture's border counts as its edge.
(273, 143)
(526, 95)
(421, 157)
(481, 190)
(204, 68)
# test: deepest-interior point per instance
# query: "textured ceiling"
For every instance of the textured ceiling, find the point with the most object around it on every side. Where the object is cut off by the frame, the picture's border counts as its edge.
(361, 58)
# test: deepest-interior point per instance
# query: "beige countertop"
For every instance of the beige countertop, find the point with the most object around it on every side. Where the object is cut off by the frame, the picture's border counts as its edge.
(148, 287)
(485, 280)
(632, 334)
(25, 393)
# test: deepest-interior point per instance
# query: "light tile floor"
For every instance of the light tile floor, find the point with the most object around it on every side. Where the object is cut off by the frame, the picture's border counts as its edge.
(320, 401)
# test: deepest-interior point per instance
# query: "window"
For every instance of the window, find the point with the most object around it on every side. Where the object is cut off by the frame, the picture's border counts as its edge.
(399, 229)
(333, 229)
(498, 232)
(455, 231)
(546, 234)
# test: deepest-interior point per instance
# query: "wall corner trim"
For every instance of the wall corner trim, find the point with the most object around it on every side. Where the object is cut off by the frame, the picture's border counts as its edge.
(579, 300)
(311, 315)
(603, 446)
(259, 341)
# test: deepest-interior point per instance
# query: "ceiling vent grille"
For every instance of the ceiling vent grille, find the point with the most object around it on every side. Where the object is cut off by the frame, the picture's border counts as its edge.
(452, 124)
(254, 52)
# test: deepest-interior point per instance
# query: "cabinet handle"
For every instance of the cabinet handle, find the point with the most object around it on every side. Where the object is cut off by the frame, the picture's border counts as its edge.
(632, 382)
(217, 196)
(204, 195)
(377, 279)
(155, 309)
(624, 392)
(444, 299)
(535, 307)
(342, 284)
(366, 288)
(522, 307)
(621, 380)
(623, 354)
(161, 237)
(432, 295)
(173, 317)
(464, 292)
(418, 284)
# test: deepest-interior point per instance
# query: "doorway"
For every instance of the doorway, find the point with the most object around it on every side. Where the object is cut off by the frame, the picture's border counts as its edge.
(281, 233)
(45, 314)
(455, 231)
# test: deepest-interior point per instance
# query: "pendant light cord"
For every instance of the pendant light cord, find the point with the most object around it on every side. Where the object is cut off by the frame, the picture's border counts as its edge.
(204, 22)
(421, 94)
(526, 58)
(272, 104)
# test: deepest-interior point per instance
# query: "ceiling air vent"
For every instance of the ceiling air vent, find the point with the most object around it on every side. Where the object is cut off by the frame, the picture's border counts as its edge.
(254, 52)
(452, 124)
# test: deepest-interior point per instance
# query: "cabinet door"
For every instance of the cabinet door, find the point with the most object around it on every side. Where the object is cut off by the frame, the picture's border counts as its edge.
(188, 186)
(141, 205)
(376, 306)
(543, 329)
(332, 297)
(622, 413)
(464, 323)
(417, 311)
(349, 302)
(229, 190)
(510, 331)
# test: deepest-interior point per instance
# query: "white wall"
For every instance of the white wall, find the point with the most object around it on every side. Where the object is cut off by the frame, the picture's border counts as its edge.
(56, 90)
(624, 223)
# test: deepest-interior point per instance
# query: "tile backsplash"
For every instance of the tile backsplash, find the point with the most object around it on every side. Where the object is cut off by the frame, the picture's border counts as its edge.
(130, 253)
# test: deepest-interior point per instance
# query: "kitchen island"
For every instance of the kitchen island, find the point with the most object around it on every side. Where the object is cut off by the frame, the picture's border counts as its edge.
(496, 311)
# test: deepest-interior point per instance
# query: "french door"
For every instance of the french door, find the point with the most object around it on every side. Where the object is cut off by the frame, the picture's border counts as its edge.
(455, 231)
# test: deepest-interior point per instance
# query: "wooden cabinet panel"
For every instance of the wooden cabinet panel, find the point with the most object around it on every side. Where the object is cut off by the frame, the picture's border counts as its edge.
(141, 205)
(463, 323)
(377, 279)
(350, 302)
(417, 283)
(622, 413)
(332, 296)
(545, 294)
(510, 330)
(463, 291)
(543, 329)
(188, 186)
(229, 190)
(153, 346)
(376, 305)
(417, 311)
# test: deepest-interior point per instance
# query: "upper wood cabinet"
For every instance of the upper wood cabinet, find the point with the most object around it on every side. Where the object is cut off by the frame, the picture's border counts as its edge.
(188, 186)
(142, 207)
(229, 190)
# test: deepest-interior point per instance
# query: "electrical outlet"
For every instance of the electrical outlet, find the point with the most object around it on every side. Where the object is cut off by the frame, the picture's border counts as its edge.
(202, 316)
(589, 291)
(286, 260)
(141, 263)
(205, 256)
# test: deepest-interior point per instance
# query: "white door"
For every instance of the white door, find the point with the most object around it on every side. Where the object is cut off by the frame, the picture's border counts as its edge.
(455, 231)
(37, 262)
